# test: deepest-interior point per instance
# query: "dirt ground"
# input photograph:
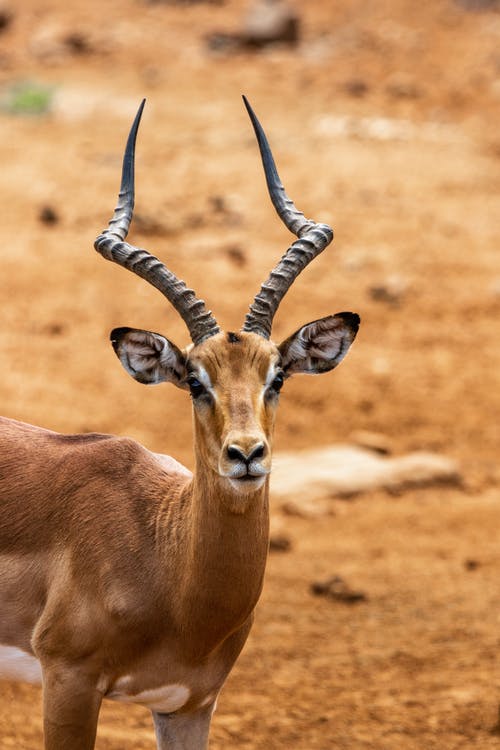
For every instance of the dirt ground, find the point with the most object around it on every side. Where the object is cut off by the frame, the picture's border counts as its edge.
(384, 121)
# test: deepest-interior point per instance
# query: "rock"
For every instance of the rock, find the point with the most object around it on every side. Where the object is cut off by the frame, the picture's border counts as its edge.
(77, 43)
(6, 16)
(279, 543)
(53, 329)
(236, 255)
(54, 42)
(221, 212)
(337, 589)
(270, 21)
(391, 291)
(356, 87)
(48, 215)
(301, 480)
(471, 564)
(267, 22)
(402, 86)
(372, 441)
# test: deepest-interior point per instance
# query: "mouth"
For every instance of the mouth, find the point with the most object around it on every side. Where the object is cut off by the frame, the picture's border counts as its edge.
(247, 482)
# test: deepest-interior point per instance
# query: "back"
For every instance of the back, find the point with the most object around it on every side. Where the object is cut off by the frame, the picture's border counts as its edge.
(50, 483)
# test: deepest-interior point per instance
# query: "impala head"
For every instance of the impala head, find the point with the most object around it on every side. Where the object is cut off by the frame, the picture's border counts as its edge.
(234, 378)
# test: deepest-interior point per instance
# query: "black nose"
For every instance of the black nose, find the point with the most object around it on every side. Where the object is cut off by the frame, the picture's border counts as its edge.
(235, 453)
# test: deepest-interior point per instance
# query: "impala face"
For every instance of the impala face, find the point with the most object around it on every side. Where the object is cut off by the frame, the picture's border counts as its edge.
(234, 380)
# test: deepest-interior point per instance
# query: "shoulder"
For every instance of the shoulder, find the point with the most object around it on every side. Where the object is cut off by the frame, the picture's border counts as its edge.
(170, 465)
(122, 453)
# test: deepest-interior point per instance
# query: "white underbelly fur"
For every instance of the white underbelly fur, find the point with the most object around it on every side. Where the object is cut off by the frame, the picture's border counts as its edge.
(164, 699)
(16, 664)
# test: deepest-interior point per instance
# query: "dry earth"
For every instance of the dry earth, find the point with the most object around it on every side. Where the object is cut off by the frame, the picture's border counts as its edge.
(384, 120)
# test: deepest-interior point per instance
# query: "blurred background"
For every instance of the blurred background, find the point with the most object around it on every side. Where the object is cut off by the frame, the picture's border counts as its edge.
(383, 118)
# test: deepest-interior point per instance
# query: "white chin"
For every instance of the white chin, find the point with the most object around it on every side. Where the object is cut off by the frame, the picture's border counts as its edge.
(245, 486)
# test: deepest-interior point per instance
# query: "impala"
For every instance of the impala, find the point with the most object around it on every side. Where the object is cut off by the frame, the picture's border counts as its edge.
(123, 575)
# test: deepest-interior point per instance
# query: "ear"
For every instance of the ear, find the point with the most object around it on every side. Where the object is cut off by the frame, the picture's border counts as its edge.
(319, 346)
(149, 357)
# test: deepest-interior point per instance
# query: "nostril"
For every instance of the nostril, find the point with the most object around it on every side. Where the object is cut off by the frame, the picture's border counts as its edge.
(258, 452)
(235, 454)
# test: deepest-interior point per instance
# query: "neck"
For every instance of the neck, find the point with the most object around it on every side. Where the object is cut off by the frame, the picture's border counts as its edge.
(226, 552)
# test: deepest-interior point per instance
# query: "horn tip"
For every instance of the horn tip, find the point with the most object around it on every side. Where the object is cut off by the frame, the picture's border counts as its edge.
(247, 105)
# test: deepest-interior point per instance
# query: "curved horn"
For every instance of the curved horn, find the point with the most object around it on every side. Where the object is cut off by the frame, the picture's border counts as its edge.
(313, 238)
(111, 244)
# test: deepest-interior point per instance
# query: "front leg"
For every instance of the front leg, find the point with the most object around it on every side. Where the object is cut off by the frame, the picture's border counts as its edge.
(71, 706)
(187, 731)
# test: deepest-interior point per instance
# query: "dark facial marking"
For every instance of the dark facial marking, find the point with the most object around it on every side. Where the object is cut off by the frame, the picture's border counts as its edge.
(233, 338)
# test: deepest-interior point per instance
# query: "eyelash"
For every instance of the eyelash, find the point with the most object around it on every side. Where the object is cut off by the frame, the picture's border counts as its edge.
(276, 385)
(196, 388)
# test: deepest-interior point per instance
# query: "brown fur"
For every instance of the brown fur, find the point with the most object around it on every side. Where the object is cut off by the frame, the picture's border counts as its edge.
(116, 564)
(119, 567)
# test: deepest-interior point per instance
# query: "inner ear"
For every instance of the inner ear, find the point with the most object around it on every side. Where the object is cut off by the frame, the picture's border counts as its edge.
(149, 357)
(319, 346)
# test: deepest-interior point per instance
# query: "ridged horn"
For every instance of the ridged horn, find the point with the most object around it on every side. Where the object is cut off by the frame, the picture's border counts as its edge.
(112, 246)
(313, 238)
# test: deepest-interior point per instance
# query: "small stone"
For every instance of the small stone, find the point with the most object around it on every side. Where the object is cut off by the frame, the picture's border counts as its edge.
(337, 589)
(270, 21)
(471, 564)
(402, 86)
(6, 16)
(218, 204)
(279, 543)
(77, 43)
(267, 22)
(373, 441)
(221, 211)
(236, 255)
(391, 291)
(356, 88)
(48, 215)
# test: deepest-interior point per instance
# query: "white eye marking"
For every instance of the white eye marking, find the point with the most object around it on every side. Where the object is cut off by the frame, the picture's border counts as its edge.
(271, 374)
(273, 370)
(202, 375)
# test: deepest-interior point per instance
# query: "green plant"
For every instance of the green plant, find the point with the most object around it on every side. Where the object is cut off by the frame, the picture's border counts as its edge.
(28, 98)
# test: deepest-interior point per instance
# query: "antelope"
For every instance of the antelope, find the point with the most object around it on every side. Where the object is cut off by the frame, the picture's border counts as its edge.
(122, 574)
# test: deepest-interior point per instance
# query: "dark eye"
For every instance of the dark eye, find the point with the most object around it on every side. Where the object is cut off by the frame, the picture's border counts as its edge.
(196, 388)
(277, 383)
